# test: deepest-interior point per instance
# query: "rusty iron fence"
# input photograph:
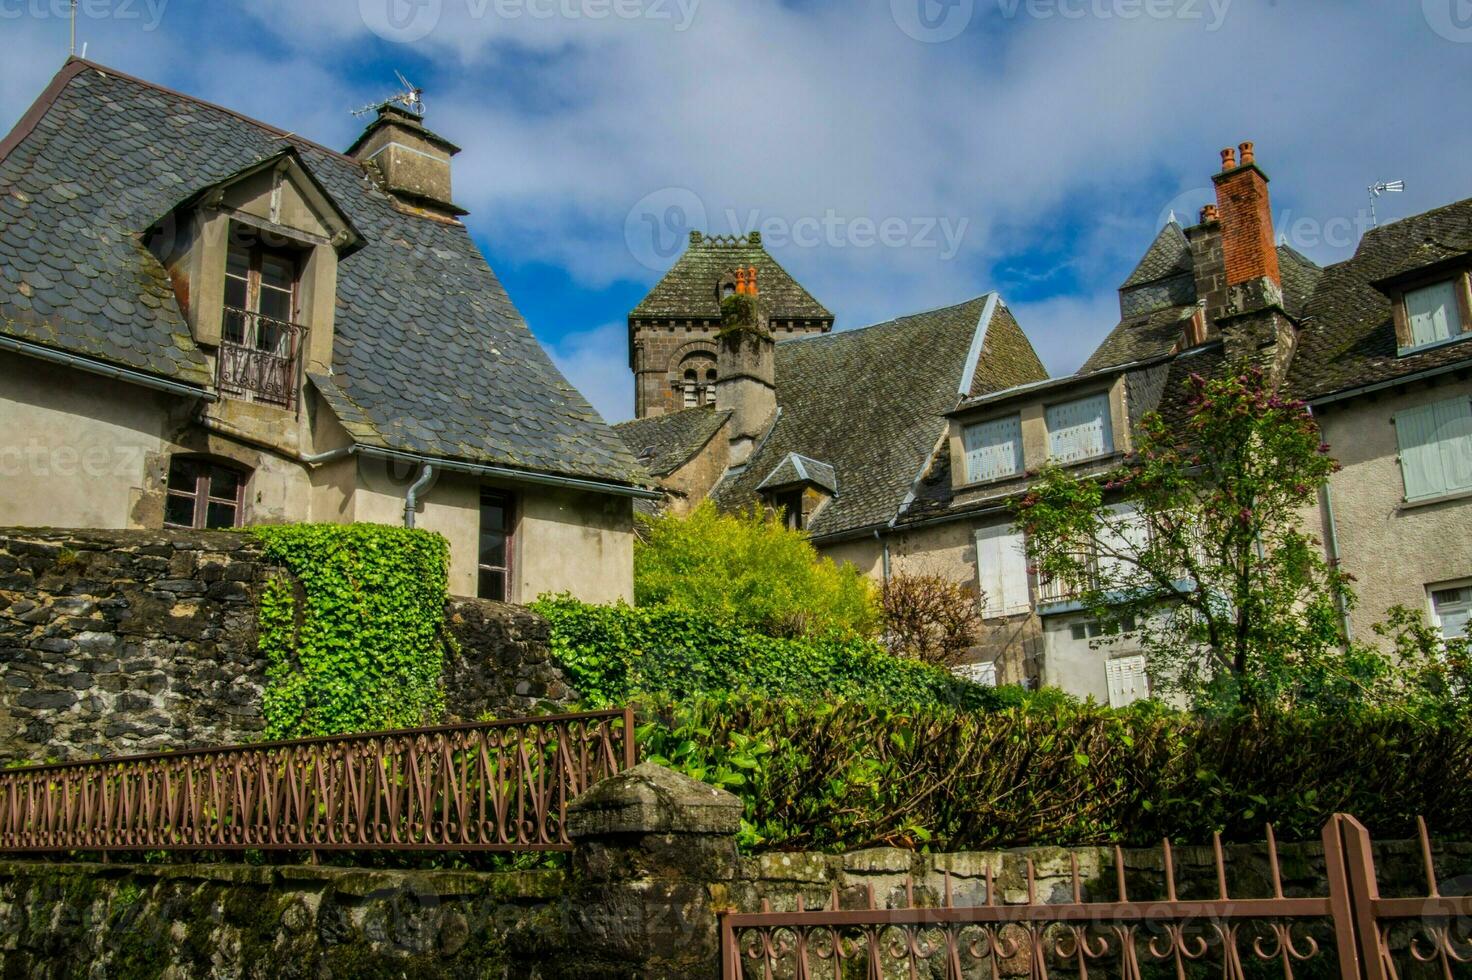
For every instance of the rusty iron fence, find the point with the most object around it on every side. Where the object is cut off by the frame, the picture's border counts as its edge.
(494, 786)
(1351, 932)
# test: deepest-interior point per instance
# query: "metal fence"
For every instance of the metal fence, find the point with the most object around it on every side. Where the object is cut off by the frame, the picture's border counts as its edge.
(1350, 932)
(495, 786)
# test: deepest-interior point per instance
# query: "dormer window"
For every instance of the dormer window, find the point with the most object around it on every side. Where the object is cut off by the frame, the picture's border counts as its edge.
(1080, 430)
(1433, 313)
(260, 340)
(993, 449)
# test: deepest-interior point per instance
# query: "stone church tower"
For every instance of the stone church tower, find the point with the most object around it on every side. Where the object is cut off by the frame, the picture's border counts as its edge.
(673, 348)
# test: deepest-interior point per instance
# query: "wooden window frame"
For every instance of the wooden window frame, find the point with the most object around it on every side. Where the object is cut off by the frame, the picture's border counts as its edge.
(205, 467)
(508, 503)
(1435, 613)
(1405, 343)
(255, 259)
(789, 504)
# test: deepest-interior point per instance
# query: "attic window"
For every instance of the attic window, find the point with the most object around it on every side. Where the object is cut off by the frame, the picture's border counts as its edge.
(1433, 313)
(259, 340)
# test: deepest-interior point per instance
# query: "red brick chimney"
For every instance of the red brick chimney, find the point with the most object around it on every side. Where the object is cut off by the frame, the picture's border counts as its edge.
(1246, 215)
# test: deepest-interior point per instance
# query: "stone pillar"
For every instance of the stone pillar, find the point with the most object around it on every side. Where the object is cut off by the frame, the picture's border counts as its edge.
(654, 853)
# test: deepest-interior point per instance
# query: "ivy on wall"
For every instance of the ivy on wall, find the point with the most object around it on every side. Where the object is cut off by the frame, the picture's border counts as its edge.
(352, 637)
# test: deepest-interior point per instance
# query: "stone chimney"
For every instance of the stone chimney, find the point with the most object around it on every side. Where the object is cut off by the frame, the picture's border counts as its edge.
(409, 161)
(746, 368)
(1209, 265)
(1251, 317)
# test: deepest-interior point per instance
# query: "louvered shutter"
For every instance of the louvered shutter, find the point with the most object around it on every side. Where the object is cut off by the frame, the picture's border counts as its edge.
(1128, 682)
(983, 674)
(1001, 567)
(993, 449)
(1079, 429)
(1127, 535)
(1435, 448)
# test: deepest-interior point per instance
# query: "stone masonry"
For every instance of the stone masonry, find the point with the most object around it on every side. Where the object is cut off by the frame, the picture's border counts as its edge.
(124, 642)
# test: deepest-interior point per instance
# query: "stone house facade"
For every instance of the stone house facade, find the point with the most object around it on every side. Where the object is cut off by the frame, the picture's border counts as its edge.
(207, 322)
(1376, 345)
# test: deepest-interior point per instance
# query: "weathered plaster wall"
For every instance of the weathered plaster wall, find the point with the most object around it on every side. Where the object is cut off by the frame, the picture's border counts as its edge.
(74, 447)
(120, 642)
(1014, 643)
(1392, 548)
(566, 541)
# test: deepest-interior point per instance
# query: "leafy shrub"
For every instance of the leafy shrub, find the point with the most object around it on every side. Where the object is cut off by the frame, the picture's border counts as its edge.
(929, 617)
(352, 639)
(749, 569)
(844, 774)
(614, 653)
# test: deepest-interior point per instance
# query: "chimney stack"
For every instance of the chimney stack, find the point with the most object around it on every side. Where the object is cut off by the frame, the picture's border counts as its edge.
(746, 368)
(411, 163)
(1248, 244)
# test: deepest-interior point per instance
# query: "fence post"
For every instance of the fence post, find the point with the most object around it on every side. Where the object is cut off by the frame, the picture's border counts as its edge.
(653, 850)
(1364, 890)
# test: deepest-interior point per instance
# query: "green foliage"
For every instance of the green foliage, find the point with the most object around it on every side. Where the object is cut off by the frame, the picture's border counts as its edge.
(835, 774)
(751, 570)
(352, 637)
(615, 653)
(1234, 602)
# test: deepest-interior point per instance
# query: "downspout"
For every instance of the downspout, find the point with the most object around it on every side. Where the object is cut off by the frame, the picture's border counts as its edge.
(884, 553)
(411, 499)
(1326, 500)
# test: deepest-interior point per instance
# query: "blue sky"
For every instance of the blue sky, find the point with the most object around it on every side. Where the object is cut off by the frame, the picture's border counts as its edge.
(899, 155)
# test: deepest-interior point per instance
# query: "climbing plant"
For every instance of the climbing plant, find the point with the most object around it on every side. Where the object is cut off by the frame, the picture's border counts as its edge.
(351, 631)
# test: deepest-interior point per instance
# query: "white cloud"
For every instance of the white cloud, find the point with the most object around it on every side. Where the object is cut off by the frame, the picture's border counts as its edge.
(596, 362)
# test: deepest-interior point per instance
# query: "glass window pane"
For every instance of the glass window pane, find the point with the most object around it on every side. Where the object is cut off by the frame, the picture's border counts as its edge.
(275, 303)
(238, 263)
(179, 510)
(493, 548)
(224, 483)
(182, 474)
(278, 272)
(220, 515)
(235, 292)
(1433, 313)
(492, 585)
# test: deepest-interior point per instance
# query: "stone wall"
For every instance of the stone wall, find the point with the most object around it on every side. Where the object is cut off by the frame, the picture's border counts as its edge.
(121, 642)
(115, 642)
(653, 864)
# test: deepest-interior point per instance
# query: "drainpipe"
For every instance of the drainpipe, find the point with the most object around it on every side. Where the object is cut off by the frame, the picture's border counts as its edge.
(1326, 500)
(411, 499)
(884, 551)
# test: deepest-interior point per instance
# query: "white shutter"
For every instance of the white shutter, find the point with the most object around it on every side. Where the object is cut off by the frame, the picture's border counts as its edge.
(1453, 610)
(993, 449)
(1080, 429)
(1128, 535)
(983, 674)
(1435, 448)
(1001, 566)
(1128, 682)
(1434, 313)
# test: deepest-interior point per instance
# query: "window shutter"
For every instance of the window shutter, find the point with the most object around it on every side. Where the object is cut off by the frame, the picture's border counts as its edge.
(1435, 448)
(993, 449)
(1127, 681)
(1434, 313)
(1002, 571)
(1079, 429)
(1129, 535)
(983, 674)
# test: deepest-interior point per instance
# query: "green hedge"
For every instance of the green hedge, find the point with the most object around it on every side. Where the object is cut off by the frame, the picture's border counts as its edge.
(352, 637)
(615, 653)
(848, 774)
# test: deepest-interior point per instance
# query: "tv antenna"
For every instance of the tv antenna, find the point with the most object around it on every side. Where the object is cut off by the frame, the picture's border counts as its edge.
(411, 98)
(74, 28)
(1383, 187)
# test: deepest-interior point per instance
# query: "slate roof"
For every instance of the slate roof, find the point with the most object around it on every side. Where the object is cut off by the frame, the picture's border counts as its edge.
(871, 403)
(1168, 255)
(664, 443)
(1348, 337)
(796, 469)
(691, 288)
(431, 356)
(1155, 332)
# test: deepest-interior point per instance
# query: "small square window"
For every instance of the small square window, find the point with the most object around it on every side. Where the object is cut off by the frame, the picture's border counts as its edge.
(203, 494)
(1451, 609)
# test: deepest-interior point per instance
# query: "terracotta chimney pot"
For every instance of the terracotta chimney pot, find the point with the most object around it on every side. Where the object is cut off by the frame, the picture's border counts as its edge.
(751, 280)
(1229, 159)
(1210, 213)
(1248, 155)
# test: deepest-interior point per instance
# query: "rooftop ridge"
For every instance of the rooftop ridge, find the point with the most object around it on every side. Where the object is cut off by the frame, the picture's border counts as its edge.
(749, 240)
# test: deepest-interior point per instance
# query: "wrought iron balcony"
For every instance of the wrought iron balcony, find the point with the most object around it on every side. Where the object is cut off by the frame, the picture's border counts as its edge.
(260, 358)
